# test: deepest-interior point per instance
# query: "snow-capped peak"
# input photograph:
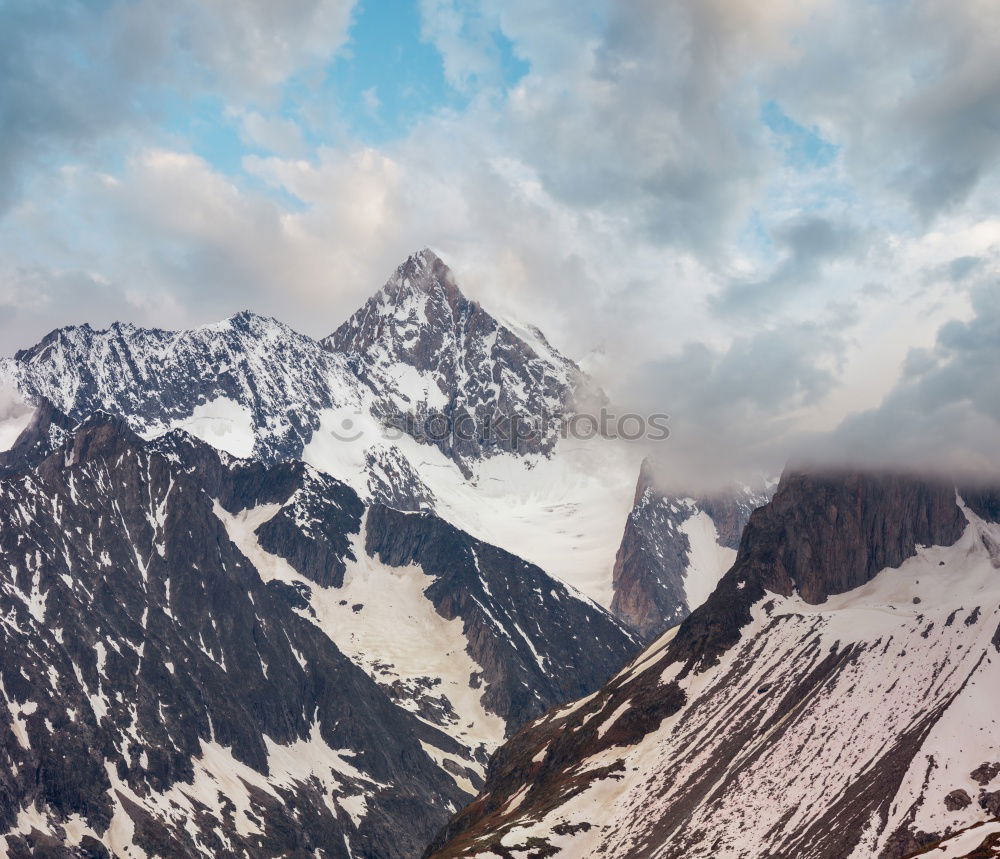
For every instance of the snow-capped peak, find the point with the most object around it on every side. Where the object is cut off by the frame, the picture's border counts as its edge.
(429, 350)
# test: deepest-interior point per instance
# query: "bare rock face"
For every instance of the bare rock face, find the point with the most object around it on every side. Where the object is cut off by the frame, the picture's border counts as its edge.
(47, 430)
(822, 534)
(768, 724)
(957, 800)
(981, 841)
(163, 675)
(657, 577)
(485, 386)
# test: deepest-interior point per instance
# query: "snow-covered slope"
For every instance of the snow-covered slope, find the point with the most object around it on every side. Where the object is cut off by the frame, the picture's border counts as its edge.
(564, 511)
(835, 697)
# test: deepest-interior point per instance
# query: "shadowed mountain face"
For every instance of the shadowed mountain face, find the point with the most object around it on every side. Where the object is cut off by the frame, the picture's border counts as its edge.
(834, 697)
(159, 692)
(186, 664)
(674, 551)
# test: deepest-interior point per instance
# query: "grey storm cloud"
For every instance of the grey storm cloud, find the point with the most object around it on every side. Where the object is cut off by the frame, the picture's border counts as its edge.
(807, 242)
(51, 95)
(654, 119)
(944, 412)
(961, 267)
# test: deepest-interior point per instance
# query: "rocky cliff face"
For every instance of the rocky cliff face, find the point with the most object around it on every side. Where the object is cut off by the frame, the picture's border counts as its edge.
(205, 655)
(830, 699)
(674, 550)
(158, 694)
(822, 534)
(46, 431)
(476, 386)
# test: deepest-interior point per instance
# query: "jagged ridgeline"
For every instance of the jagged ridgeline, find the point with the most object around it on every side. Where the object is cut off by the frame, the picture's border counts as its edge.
(231, 629)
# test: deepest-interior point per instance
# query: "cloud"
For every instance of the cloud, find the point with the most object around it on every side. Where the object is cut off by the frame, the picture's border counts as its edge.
(77, 77)
(733, 409)
(809, 242)
(911, 91)
(944, 411)
(466, 39)
(31, 299)
(275, 134)
(371, 101)
(746, 213)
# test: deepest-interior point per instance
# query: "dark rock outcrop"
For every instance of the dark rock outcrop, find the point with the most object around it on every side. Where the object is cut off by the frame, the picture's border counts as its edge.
(655, 556)
(46, 431)
(155, 638)
(821, 534)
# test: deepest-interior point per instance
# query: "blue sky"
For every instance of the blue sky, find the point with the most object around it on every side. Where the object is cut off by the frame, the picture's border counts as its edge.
(387, 77)
(769, 204)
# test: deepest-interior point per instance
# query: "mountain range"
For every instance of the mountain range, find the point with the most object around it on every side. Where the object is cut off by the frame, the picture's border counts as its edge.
(266, 595)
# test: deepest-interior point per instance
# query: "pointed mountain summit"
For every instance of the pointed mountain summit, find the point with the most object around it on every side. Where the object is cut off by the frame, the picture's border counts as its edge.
(675, 548)
(494, 386)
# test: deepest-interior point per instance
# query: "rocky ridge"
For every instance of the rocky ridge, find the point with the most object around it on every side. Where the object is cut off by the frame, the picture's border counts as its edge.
(828, 700)
(674, 550)
(193, 619)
